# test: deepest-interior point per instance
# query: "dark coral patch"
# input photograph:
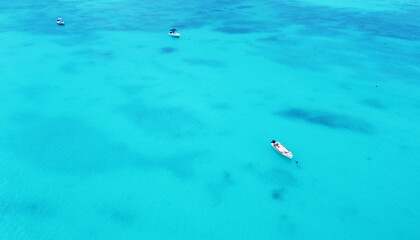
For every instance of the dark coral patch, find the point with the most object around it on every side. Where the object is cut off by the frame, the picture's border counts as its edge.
(204, 62)
(268, 39)
(278, 177)
(167, 50)
(331, 120)
(373, 103)
(122, 217)
(30, 208)
(277, 194)
(244, 7)
(227, 178)
(66, 145)
(168, 121)
(234, 30)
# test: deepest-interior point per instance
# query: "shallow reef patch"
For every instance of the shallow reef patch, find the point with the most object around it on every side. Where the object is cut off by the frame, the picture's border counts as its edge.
(278, 194)
(373, 103)
(164, 120)
(66, 145)
(327, 119)
(234, 30)
(30, 208)
(204, 62)
(167, 50)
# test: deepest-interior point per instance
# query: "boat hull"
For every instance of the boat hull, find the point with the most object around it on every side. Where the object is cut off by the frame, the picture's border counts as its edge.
(282, 150)
(176, 35)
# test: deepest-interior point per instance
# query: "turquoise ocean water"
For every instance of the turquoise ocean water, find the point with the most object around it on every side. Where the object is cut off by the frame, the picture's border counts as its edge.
(110, 129)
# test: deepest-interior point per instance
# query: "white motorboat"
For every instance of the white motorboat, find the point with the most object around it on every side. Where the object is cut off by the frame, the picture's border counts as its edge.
(173, 33)
(281, 149)
(59, 22)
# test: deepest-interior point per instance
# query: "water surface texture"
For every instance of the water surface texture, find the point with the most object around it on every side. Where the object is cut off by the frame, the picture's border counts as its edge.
(110, 129)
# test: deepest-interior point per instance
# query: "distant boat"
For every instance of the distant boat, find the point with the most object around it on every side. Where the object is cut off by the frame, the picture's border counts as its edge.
(281, 149)
(173, 33)
(59, 22)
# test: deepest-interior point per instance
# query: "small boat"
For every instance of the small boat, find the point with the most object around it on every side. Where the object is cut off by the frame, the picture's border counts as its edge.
(282, 149)
(173, 33)
(59, 22)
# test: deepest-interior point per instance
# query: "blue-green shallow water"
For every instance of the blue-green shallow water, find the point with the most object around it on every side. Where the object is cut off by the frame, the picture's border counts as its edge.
(110, 129)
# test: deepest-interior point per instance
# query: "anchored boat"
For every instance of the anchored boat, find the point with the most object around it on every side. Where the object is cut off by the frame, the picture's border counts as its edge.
(173, 33)
(282, 149)
(59, 22)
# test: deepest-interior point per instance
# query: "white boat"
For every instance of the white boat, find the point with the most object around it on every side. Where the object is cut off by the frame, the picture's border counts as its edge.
(59, 22)
(282, 149)
(174, 34)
